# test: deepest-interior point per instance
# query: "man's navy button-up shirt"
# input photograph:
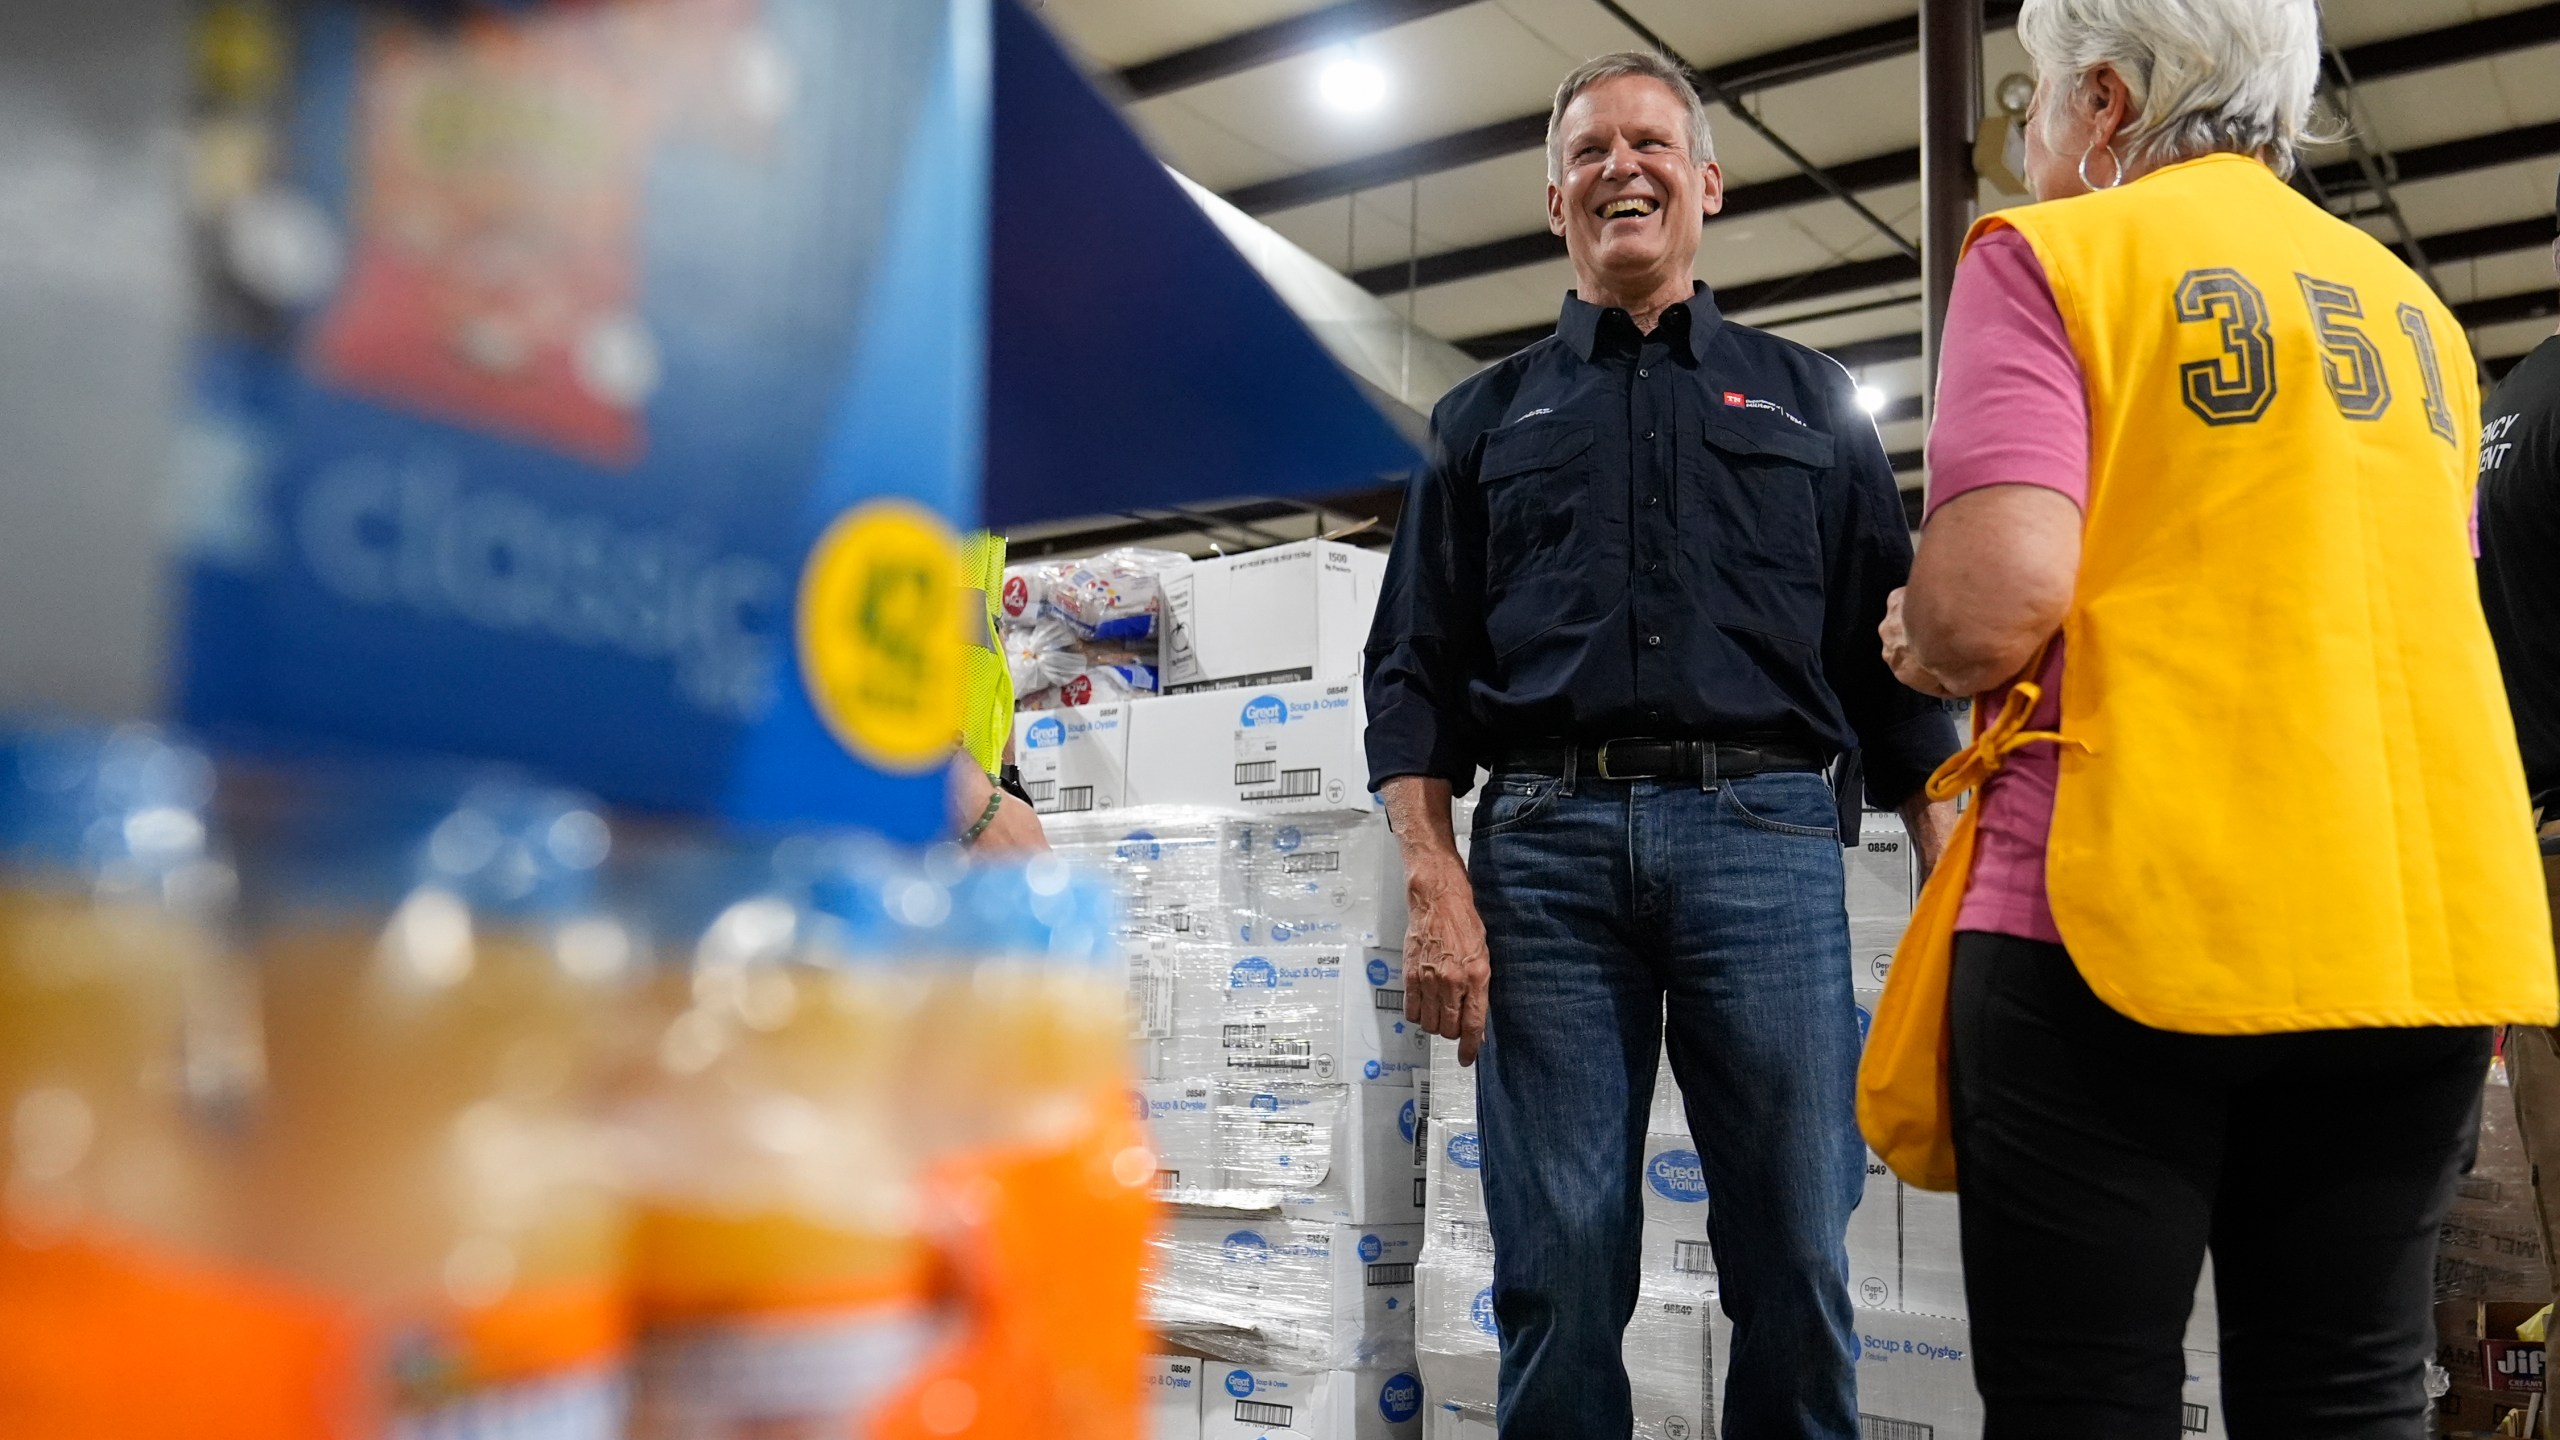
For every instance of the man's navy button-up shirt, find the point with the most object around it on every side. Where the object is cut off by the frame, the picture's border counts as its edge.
(1688, 534)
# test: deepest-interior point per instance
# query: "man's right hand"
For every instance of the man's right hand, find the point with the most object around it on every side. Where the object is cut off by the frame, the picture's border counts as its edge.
(1446, 967)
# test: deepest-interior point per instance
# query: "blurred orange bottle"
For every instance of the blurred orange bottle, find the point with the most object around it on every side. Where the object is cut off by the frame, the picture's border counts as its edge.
(437, 993)
(784, 1281)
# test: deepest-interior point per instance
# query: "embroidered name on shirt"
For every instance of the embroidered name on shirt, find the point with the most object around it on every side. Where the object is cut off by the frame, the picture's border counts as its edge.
(1739, 401)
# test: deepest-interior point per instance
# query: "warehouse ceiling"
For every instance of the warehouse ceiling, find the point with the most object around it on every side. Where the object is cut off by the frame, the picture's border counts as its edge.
(1398, 140)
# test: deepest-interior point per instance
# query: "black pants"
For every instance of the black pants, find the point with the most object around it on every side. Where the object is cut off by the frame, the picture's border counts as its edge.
(2099, 1158)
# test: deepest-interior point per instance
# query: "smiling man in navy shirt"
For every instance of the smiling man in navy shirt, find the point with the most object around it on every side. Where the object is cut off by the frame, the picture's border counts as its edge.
(1640, 582)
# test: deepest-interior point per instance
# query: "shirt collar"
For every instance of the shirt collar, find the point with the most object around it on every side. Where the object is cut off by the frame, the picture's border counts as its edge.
(1578, 324)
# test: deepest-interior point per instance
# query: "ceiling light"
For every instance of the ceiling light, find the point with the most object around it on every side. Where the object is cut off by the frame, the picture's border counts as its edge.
(1870, 399)
(1352, 85)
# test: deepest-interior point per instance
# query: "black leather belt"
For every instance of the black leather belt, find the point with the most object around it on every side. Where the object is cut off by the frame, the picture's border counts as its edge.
(1664, 759)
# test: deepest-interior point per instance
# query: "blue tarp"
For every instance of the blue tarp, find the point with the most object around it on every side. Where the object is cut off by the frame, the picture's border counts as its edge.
(1135, 359)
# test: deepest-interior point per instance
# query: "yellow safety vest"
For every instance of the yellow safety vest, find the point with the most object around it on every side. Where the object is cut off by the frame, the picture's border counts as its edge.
(988, 721)
(2290, 797)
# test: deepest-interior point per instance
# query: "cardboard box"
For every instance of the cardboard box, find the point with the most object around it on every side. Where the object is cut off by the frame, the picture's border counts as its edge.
(1674, 1191)
(1315, 1013)
(1914, 1371)
(1322, 879)
(1872, 942)
(1932, 1253)
(1454, 1184)
(1286, 1291)
(1183, 872)
(1246, 1403)
(1875, 1240)
(1268, 617)
(1344, 1154)
(1182, 1124)
(1882, 873)
(1073, 761)
(1668, 1352)
(2491, 1372)
(1281, 749)
(1172, 1396)
(1453, 1419)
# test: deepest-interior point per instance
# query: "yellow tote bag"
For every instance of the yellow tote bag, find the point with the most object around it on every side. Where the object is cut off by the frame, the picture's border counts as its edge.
(1903, 1106)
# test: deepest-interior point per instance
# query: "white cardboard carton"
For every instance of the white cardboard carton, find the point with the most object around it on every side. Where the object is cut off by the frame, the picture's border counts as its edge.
(1291, 612)
(1882, 876)
(1932, 1253)
(1319, 1295)
(1674, 1181)
(1075, 760)
(1343, 1154)
(1182, 1124)
(1245, 1403)
(1453, 1419)
(1294, 1013)
(1871, 946)
(1454, 1173)
(1875, 1240)
(1326, 880)
(1282, 749)
(1670, 1364)
(1172, 1395)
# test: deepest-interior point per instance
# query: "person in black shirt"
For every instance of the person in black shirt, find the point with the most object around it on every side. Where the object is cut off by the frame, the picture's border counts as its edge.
(2520, 590)
(2520, 554)
(1640, 581)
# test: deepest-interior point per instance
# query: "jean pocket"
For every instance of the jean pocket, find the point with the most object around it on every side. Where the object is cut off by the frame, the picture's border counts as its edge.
(1513, 802)
(1787, 802)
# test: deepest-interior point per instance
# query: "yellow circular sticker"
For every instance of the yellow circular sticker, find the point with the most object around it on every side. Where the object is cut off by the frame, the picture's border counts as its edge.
(880, 639)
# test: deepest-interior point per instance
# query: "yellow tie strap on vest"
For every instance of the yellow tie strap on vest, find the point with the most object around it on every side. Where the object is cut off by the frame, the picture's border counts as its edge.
(2007, 734)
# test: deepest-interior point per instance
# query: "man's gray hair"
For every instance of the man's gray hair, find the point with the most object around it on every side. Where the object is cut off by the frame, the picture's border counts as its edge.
(1702, 142)
(2207, 75)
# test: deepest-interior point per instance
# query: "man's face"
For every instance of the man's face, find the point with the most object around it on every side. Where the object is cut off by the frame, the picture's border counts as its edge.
(1629, 200)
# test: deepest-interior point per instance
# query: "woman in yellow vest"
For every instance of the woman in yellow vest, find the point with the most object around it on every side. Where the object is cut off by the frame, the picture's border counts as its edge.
(2249, 875)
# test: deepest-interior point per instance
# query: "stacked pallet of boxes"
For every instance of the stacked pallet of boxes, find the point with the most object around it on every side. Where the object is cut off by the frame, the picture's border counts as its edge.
(1265, 927)
(2489, 1276)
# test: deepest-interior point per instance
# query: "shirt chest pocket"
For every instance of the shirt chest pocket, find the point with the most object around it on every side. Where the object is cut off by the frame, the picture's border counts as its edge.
(1753, 485)
(1535, 480)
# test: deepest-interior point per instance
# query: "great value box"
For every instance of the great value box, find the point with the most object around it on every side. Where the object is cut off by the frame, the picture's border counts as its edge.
(1182, 1125)
(1308, 1013)
(1073, 760)
(1326, 879)
(1280, 749)
(667, 509)
(1299, 1292)
(1342, 1153)
(1245, 1403)
(1883, 876)
(1266, 617)
(1673, 1182)
(1173, 1396)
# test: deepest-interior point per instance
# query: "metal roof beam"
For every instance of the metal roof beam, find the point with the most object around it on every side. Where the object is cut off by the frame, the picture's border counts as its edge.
(1787, 66)
(2505, 237)
(2452, 45)
(1269, 44)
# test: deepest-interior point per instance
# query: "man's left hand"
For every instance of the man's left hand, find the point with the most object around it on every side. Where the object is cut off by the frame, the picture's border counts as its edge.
(1930, 823)
(1897, 652)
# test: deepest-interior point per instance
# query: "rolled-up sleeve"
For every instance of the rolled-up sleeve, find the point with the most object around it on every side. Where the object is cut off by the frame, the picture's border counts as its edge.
(1903, 735)
(1427, 641)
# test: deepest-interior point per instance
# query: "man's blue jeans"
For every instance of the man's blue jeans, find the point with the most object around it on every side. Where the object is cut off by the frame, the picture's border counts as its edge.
(1609, 907)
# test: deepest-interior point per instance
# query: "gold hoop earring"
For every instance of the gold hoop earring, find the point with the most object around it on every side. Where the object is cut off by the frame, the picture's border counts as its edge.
(2112, 181)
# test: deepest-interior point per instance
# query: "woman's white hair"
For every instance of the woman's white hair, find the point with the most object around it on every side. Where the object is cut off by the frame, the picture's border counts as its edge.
(1702, 141)
(2205, 75)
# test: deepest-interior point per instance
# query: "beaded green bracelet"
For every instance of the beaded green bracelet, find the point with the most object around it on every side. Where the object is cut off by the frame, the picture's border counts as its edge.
(986, 818)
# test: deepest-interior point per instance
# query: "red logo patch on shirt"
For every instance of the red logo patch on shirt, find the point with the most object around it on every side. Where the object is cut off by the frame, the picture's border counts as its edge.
(1736, 398)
